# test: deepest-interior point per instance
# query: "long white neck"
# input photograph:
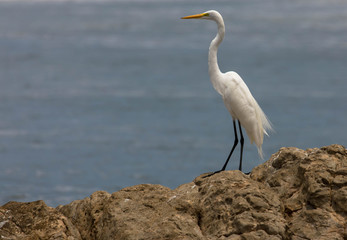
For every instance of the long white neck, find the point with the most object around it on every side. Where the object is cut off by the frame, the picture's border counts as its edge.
(213, 67)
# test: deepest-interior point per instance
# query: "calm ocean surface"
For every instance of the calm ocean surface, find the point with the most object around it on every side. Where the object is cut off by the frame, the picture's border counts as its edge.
(101, 95)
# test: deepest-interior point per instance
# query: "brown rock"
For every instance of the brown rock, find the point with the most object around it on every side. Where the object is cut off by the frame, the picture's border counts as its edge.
(140, 212)
(312, 186)
(34, 220)
(297, 194)
(232, 203)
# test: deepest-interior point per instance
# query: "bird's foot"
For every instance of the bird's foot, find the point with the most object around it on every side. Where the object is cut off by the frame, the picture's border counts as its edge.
(213, 173)
(210, 174)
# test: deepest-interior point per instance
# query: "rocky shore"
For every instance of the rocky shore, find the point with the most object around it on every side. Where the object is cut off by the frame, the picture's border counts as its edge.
(297, 194)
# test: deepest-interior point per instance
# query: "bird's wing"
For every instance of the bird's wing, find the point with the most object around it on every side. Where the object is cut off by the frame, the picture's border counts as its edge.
(242, 106)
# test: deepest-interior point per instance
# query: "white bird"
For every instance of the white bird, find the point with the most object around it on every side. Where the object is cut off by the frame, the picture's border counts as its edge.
(235, 93)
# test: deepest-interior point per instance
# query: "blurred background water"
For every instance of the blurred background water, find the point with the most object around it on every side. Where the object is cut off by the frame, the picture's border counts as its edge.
(100, 95)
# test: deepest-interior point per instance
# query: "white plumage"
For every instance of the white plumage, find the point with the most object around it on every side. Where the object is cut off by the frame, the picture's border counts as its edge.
(243, 107)
(235, 93)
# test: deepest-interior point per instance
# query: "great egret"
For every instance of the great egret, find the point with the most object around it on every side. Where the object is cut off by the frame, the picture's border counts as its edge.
(235, 93)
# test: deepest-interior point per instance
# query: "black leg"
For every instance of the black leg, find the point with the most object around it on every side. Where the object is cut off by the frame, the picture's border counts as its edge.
(241, 141)
(236, 141)
(231, 152)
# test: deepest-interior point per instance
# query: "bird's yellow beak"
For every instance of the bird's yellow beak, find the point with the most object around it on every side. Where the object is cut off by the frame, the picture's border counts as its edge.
(195, 16)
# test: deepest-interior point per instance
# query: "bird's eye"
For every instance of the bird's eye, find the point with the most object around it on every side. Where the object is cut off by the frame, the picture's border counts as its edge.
(206, 14)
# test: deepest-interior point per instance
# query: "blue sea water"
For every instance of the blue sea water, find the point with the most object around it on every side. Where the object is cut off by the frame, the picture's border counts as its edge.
(101, 95)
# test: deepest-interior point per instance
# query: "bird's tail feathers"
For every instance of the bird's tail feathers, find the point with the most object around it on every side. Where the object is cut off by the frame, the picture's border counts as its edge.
(260, 152)
(265, 127)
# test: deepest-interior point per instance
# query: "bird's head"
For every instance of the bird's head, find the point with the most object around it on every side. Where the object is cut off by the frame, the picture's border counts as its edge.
(208, 15)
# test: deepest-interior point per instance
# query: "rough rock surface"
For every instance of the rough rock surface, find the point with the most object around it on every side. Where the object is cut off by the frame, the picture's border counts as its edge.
(34, 220)
(296, 195)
